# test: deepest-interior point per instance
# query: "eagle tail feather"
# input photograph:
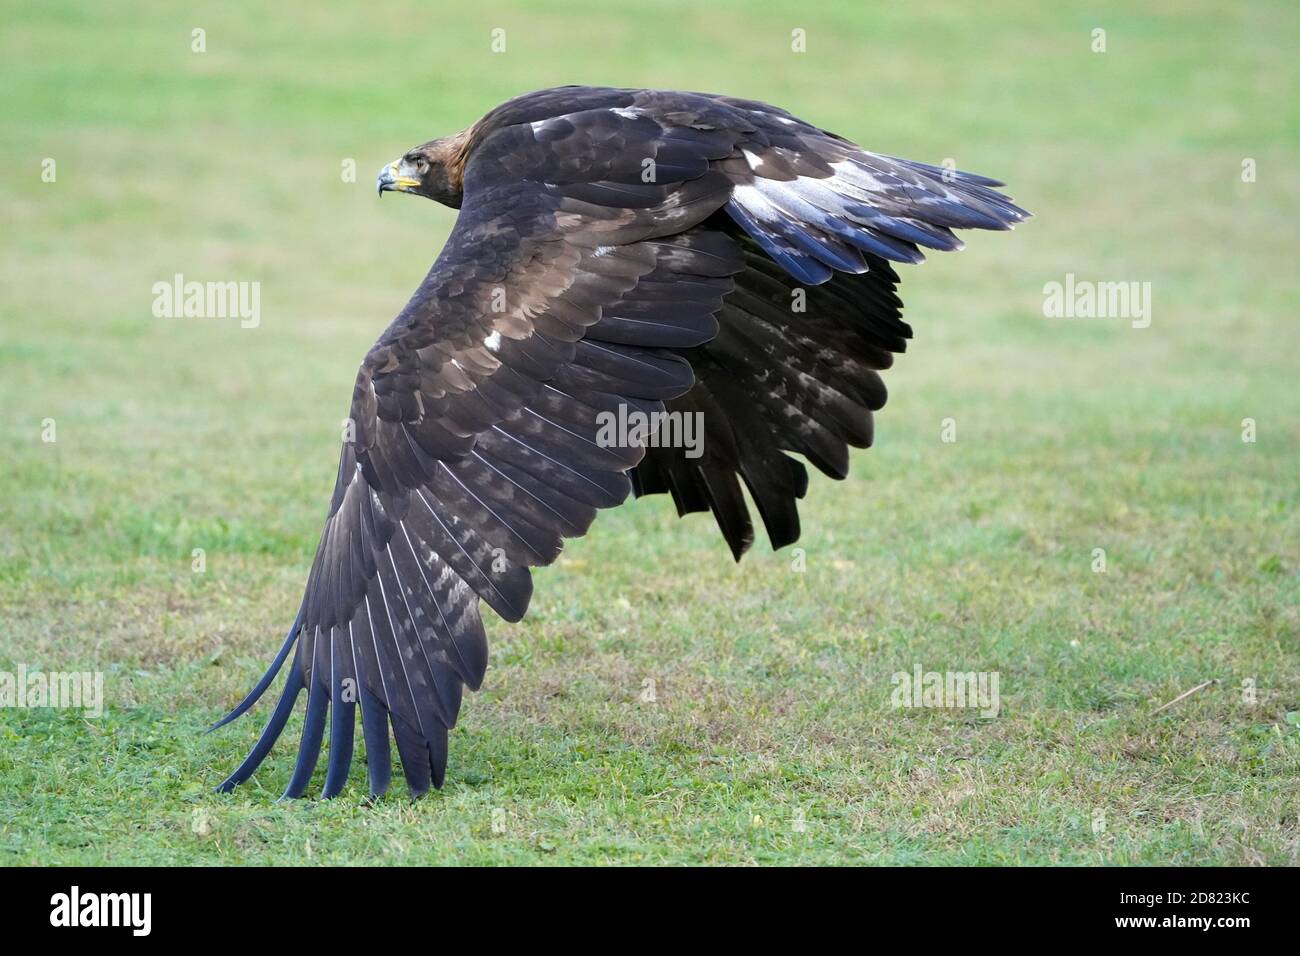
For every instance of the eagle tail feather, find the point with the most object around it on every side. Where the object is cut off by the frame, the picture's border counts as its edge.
(293, 686)
(313, 733)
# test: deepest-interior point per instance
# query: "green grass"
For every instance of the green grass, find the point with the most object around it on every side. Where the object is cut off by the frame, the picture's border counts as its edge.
(773, 686)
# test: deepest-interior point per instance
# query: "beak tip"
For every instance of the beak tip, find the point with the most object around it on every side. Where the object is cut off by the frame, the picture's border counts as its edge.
(385, 181)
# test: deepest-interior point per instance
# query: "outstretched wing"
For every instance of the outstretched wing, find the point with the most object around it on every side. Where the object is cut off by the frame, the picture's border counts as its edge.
(813, 319)
(602, 235)
(475, 420)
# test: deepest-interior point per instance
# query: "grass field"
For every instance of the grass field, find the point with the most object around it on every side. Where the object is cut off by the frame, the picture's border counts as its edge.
(772, 738)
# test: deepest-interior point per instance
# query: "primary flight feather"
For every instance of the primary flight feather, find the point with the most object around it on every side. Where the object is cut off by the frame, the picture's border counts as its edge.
(616, 250)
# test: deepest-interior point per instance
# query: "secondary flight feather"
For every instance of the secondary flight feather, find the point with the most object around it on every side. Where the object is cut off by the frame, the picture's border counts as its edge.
(616, 250)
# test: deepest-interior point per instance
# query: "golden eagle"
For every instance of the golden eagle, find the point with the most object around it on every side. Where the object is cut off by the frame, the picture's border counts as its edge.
(617, 251)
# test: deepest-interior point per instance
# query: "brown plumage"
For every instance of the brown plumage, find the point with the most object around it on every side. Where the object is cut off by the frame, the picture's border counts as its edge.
(617, 251)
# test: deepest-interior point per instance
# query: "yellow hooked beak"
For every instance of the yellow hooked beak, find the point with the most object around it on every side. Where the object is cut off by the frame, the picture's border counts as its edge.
(396, 177)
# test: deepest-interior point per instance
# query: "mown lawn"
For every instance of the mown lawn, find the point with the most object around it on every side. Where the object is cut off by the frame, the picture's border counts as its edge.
(772, 737)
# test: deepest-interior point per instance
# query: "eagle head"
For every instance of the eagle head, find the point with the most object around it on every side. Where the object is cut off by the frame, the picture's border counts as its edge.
(434, 170)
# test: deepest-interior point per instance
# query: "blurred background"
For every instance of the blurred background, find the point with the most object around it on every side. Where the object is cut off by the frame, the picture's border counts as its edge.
(239, 141)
